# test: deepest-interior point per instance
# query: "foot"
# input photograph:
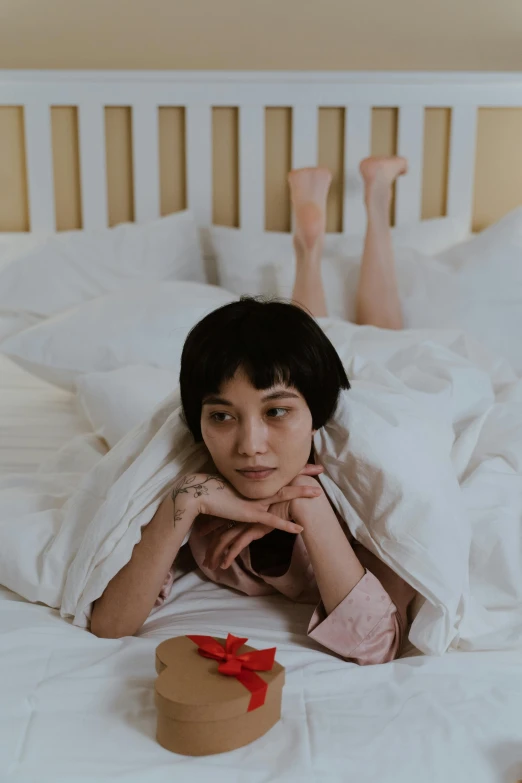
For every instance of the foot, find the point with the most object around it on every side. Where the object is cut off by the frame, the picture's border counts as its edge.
(309, 192)
(379, 173)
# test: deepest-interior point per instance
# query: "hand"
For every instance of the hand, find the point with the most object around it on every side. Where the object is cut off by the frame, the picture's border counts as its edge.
(226, 543)
(203, 493)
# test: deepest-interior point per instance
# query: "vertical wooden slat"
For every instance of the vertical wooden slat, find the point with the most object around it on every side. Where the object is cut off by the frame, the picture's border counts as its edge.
(66, 168)
(278, 156)
(118, 160)
(437, 127)
(93, 172)
(252, 168)
(410, 145)
(461, 178)
(357, 145)
(305, 130)
(173, 187)
(225, 166)
(38, 144)
(14, 205)
(198, 128)
(331, 156)
(145, 159)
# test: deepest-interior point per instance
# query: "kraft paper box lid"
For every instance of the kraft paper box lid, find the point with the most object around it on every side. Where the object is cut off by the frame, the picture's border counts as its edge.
(190, 688)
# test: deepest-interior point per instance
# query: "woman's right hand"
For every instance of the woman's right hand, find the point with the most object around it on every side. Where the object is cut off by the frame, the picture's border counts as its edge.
(204, 493)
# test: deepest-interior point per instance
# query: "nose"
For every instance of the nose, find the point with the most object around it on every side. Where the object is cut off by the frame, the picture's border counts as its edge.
(252, 438)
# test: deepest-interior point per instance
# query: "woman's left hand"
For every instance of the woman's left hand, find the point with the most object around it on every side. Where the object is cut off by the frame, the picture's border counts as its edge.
(226, 543)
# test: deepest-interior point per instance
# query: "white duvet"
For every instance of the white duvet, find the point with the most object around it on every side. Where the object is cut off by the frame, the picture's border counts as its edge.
(423, 458)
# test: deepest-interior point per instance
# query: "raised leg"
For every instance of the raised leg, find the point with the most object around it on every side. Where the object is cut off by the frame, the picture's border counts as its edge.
(378, 300)
(309, 191)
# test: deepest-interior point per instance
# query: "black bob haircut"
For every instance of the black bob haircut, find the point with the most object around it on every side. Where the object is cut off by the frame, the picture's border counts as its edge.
(272, 342)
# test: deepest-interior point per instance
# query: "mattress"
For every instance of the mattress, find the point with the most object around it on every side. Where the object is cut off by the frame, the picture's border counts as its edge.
(75, 708)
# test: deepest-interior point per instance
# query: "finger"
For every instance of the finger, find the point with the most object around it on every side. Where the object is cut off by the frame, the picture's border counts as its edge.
(276, 522)
(221, 552)
(311, 470)
(254, 512)
(214, 540)
(291, 492)
(249, 534)
(238, 545)
(222, 545)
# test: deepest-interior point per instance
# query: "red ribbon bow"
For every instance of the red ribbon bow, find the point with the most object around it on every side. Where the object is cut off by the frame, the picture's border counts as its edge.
(242, 667)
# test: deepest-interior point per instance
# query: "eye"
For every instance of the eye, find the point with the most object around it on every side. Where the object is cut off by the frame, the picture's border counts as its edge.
(218, 413)
(284, 412)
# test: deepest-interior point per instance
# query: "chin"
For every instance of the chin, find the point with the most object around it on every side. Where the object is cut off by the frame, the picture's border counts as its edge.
(257, 490)
(258, 493)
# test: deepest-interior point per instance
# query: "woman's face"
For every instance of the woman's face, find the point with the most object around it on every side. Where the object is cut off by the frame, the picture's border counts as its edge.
(244, 427)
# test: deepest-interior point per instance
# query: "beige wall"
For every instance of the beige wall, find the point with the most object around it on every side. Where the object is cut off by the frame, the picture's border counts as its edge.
(259, 34)
(262, 34)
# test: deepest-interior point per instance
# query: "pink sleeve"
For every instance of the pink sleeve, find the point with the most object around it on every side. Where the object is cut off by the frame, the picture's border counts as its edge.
(364, 627)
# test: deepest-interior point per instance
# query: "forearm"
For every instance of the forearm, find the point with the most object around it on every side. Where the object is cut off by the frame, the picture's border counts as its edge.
(336, 567)
(130, 595)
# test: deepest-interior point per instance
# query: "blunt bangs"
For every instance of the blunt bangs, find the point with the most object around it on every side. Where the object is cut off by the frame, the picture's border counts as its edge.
(272, 342)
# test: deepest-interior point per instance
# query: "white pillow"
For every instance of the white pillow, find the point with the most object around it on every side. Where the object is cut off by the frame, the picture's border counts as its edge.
(263, 263)
(115, 402)
(146, 324)
(479, 290)
(416, 276)
(13, 244)
(74, 266)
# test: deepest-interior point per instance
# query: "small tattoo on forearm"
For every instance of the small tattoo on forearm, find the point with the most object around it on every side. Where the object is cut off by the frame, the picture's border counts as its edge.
(189, 485)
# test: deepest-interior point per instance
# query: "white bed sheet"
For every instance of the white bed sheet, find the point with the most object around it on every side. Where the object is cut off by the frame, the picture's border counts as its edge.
(76, 708)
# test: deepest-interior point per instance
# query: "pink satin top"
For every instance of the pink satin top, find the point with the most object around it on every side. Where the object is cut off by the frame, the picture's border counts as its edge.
(367, 627)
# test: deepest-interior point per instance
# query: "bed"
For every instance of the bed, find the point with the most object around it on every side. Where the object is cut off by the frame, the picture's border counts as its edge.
(77, 708)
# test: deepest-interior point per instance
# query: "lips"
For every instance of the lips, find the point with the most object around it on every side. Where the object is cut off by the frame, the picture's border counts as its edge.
(257, 473)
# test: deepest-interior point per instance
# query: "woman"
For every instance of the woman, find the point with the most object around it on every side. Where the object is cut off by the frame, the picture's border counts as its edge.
(257, 518)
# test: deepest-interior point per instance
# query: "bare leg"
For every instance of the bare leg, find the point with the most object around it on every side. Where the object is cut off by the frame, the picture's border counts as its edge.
(378, 301)
(309, 191)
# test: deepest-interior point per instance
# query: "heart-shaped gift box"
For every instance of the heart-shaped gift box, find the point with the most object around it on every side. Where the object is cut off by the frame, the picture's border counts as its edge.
(213, 695)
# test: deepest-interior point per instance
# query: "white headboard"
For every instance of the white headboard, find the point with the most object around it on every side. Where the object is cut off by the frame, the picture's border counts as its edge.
(251, 92)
